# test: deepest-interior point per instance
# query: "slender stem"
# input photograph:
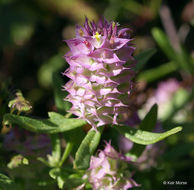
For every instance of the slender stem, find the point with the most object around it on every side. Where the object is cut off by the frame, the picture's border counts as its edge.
(68, 115)
(66, 153)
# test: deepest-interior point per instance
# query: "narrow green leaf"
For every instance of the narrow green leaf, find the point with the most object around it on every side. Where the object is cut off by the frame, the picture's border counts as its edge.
(56, 124)
(144, 137)
(86, 149)
(66, 153)
(59, 94)
(177, 57)
(164, 43)
(143, 57)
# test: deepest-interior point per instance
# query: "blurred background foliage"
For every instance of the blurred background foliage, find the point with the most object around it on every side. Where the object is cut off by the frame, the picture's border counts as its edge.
(32, 46)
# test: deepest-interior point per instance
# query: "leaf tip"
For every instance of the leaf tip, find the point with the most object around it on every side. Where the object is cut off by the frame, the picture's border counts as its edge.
(178, 129)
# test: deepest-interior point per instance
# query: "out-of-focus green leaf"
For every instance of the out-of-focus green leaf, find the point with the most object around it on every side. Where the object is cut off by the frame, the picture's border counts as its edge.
(59, 176)
(157, 73)
(177, 57)
(48, 68)
(86, 149)
(56, 124)
(4, 179)
(133, 6)
(66, 178)
(164, 43)
(149, 121)
(55, 156)
(179, 100)
(21, 32)
(16, 23)
(144, 137)
(143, 57)
(155, 6)
(62, 105)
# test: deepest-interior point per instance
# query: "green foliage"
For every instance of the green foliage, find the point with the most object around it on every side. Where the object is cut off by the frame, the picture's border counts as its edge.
(143, 57)
(87, 148)
(62, 105)
(180, 59)
(180, 99)
(55, 156)
(149, 121)
(55, 124)
(4, 179)
(47, 69)
(148, 124)
(144, 137)
(65, 178)
(151, 75)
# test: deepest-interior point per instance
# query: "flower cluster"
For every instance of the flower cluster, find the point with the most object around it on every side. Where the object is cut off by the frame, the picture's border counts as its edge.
(109, 171)
(101, 64)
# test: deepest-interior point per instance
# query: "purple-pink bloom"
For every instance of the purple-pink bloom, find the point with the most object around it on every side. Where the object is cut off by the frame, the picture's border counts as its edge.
(109, 170)
(100, 72)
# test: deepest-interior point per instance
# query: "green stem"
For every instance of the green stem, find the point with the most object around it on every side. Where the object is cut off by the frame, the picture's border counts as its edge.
(66, 153)
(68, 115)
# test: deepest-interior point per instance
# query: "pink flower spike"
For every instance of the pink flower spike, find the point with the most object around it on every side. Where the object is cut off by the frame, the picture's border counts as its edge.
(99, 73)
